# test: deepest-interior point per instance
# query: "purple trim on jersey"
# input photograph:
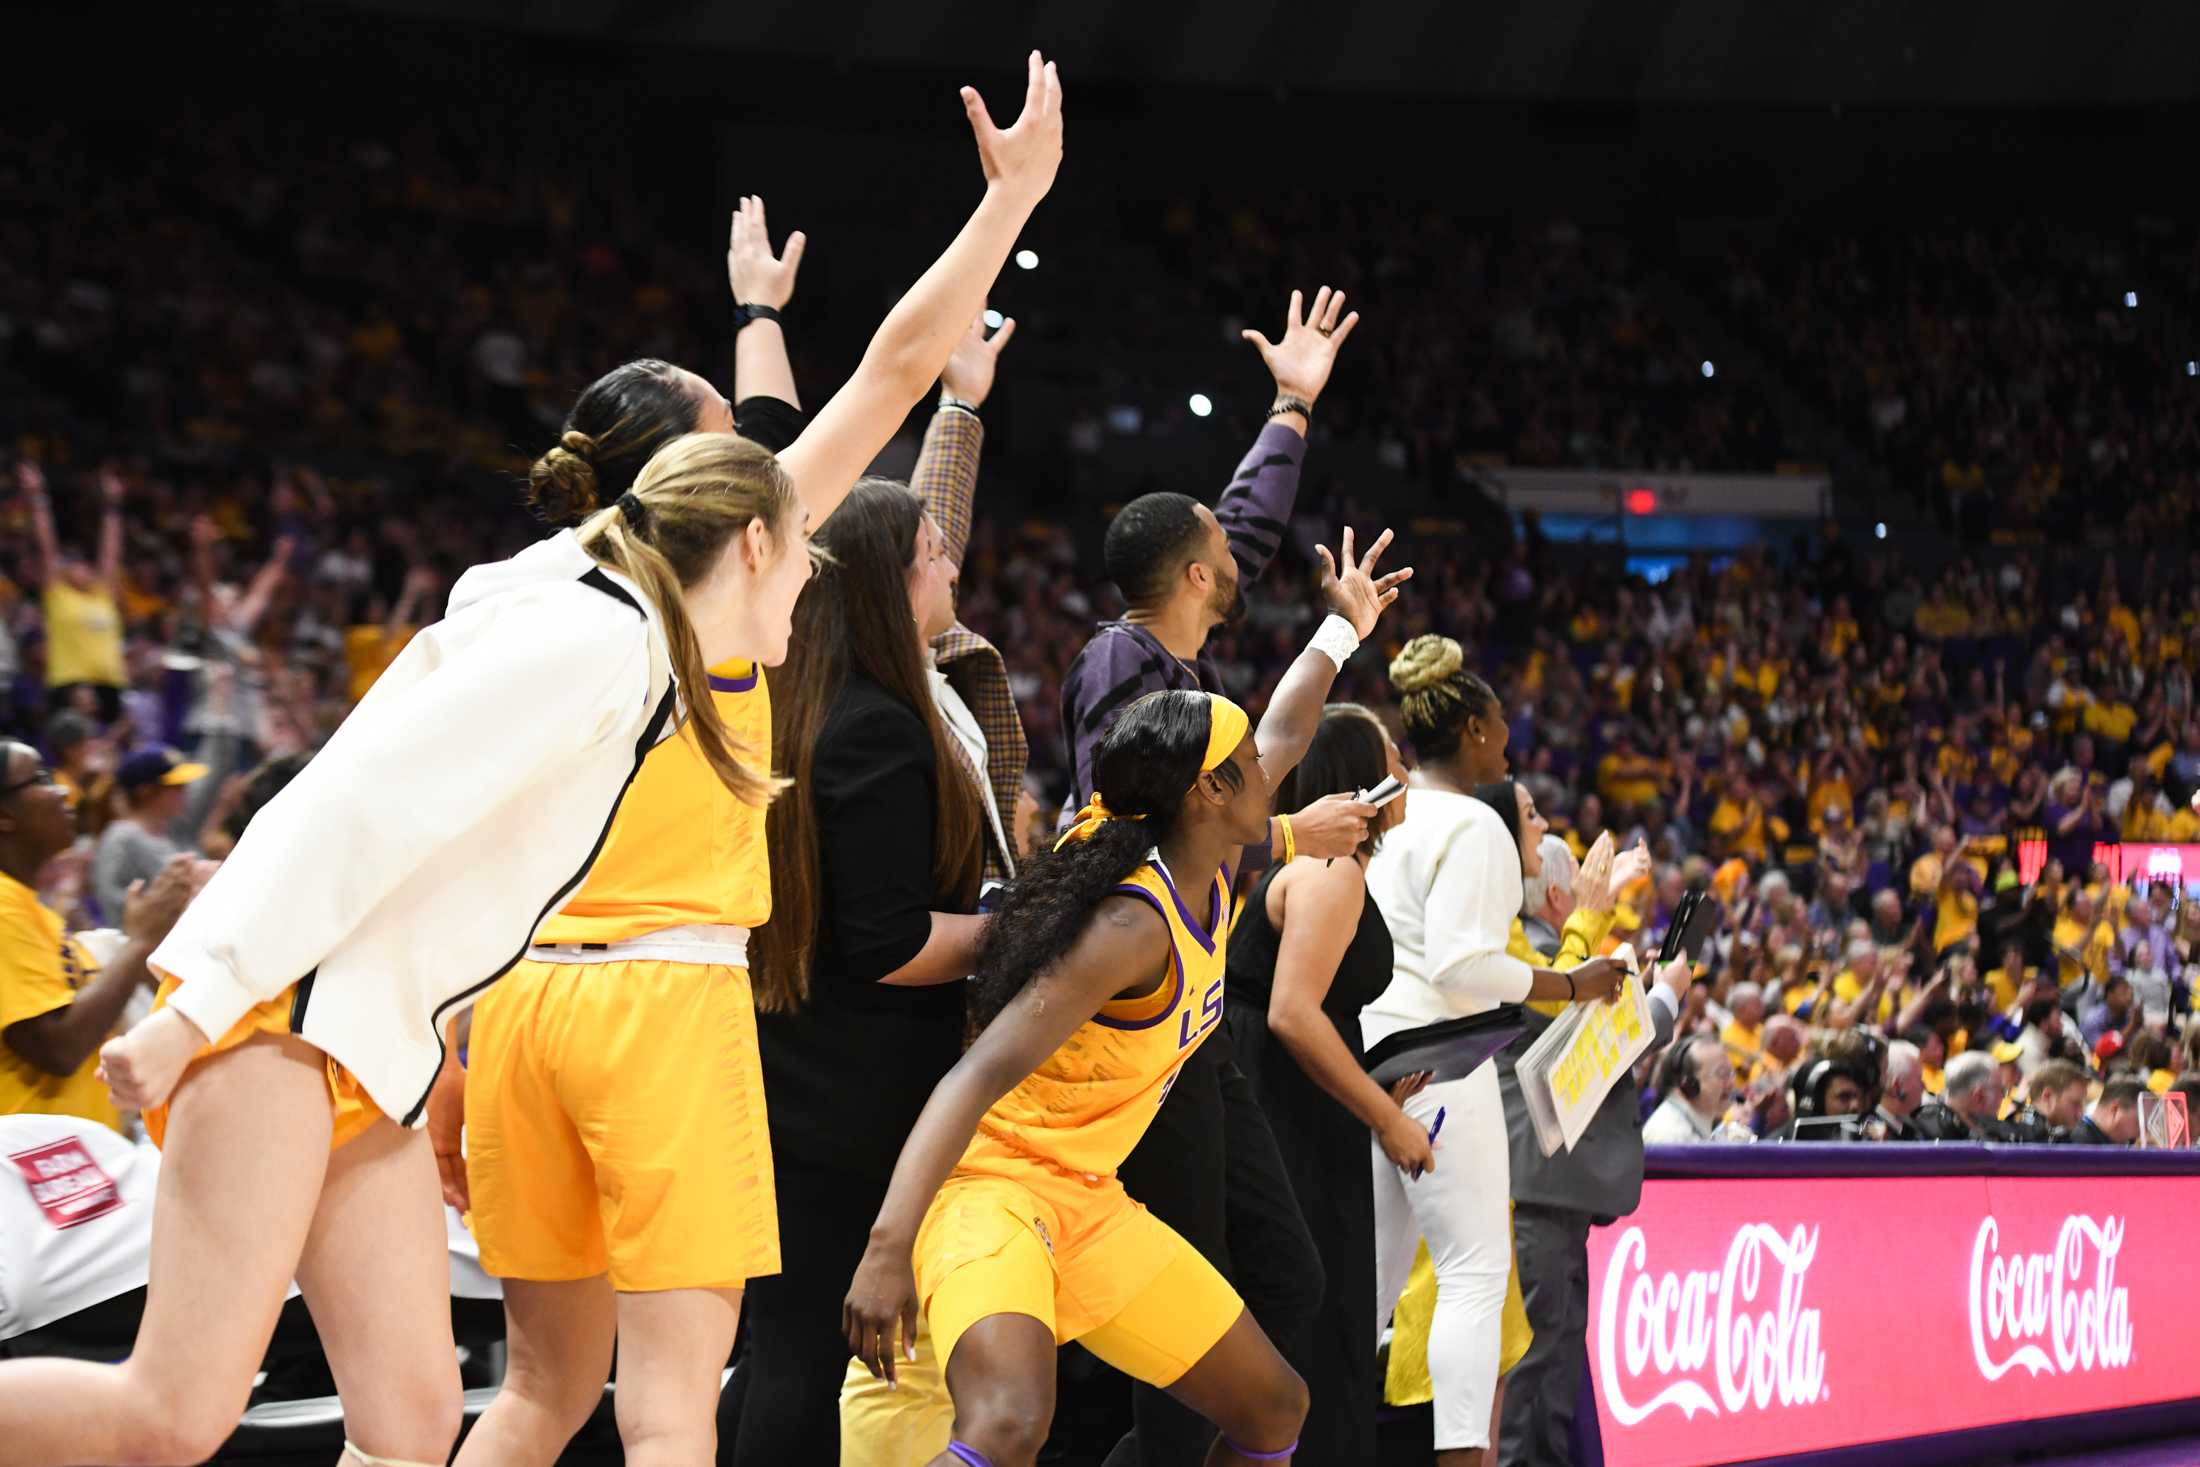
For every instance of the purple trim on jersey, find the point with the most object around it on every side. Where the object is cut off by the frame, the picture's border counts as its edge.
(1202, 933)
(968, 1456)
(1176, 966)
(733, 684)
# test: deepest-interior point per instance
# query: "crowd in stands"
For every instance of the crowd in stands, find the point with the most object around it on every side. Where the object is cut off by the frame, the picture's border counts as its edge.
(303, 386)
(2018, 381)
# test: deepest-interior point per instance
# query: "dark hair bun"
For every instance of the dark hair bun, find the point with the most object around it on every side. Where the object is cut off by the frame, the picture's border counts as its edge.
(561, 487)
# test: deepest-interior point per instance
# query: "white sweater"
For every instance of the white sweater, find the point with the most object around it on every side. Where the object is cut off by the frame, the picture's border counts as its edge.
(1448, 882)
(408, 866)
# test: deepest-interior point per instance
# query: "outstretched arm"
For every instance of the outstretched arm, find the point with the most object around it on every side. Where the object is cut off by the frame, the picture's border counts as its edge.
(946, 476)
(1355, 598)
(32, 481)
(253, 605)
(917, 336)
(1123, 937)
(1257, 506)
(110, 530)
(761, 278)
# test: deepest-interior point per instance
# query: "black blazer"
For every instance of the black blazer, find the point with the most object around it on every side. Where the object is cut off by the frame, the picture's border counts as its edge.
(845, 1077)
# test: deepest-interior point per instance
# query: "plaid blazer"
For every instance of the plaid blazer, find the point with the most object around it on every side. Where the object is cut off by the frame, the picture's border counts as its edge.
(946, 478)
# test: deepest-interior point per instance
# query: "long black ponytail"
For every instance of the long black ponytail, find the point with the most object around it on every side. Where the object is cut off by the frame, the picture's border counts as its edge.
(1143, 768)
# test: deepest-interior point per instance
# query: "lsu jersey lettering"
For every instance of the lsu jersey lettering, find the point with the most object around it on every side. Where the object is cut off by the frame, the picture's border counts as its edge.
(1087, 1105)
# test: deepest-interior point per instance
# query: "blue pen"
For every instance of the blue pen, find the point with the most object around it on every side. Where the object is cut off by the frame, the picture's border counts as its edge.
(1432, 1130)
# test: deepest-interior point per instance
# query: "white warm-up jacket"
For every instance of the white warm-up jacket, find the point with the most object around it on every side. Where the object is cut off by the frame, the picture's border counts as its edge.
(409, 864)
(1447, 879)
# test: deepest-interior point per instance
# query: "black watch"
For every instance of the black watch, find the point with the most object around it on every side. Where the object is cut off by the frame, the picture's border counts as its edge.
(743, 315)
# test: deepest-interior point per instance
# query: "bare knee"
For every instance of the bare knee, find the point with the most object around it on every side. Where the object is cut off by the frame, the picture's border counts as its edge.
(1268, 1415)
(565, 1396)
(176, 1428)
(665, 1429)
(416, 1419)
(1008, 1426)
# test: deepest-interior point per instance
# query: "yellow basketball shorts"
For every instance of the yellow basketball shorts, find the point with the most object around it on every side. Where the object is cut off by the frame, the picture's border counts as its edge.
(615, 1124)
(1080, 1257)
(892, 1426)
(351, 1110)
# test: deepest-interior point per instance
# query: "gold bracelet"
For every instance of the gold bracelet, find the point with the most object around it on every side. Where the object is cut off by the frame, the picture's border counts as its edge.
(1290, 845)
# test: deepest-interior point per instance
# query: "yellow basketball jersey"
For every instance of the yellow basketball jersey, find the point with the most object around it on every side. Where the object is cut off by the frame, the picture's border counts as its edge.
(683, 850)
(1086, 1107)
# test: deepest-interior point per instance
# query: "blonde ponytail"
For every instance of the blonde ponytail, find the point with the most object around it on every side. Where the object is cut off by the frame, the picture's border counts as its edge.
(696, 494)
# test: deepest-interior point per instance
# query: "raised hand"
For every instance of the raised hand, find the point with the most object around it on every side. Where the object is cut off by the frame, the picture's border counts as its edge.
(1302, 361)
(1593, 886)
(969, 371)
(1022, 159)
(1357, 595)
(151, 908)
(758, 277)
(1630, 867)
(111, 488)
(30, 479)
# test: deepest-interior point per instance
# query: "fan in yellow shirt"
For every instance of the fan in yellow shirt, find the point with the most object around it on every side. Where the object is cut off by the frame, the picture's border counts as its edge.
(2083, 943)
(58, 1004)
(2111, 719)
(1956, 915)
(81, 604)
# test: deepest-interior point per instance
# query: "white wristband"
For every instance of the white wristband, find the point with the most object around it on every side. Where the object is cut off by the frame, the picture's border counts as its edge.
(1336, 640)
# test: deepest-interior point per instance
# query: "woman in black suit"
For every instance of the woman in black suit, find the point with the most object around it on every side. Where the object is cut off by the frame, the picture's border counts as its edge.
(1309, 951)
(876, 848)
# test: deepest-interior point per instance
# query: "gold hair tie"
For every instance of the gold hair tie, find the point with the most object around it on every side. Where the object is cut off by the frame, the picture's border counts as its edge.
(1089, 820)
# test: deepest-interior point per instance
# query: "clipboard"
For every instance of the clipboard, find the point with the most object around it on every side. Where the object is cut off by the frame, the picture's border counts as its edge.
(1449, 1049)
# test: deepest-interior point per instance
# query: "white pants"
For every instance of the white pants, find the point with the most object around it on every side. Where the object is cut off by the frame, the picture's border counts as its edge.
(1461, 1209)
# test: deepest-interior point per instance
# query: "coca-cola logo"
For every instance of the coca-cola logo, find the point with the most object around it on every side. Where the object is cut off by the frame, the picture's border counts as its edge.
(2061, 1311)
(1708, 1326)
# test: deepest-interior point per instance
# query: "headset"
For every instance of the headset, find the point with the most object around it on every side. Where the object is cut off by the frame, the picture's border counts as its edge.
(1809, 1094)
(1677, 1073)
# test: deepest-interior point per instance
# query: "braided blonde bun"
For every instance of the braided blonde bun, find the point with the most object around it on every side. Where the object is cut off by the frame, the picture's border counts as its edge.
(1427, 661)
(1437, 695)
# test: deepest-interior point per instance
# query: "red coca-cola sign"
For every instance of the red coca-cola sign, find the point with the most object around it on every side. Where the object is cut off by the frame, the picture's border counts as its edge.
(1736, 1319)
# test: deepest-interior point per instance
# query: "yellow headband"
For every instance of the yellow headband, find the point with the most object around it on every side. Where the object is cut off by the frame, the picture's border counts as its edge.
(1227, 726)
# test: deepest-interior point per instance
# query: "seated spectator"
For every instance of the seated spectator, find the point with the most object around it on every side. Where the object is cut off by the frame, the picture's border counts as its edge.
(1744, 1033)
(1697, 1080)
(136, 846)
(2114, 1118)
(57, 1004)
(1822, 1090)
(1969, 1107)
(1904, 1092)
(2054, 1101)
(2112, 1011)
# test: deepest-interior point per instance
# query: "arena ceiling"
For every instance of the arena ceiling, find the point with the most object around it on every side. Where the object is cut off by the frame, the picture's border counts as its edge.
(1860, 53)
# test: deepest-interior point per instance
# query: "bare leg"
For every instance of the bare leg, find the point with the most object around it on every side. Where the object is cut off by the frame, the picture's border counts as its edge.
(1248, 1391)
(1002, 1379)
(559, 1337)
(672, 1354)
(247, 1148)
(376, 1274)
